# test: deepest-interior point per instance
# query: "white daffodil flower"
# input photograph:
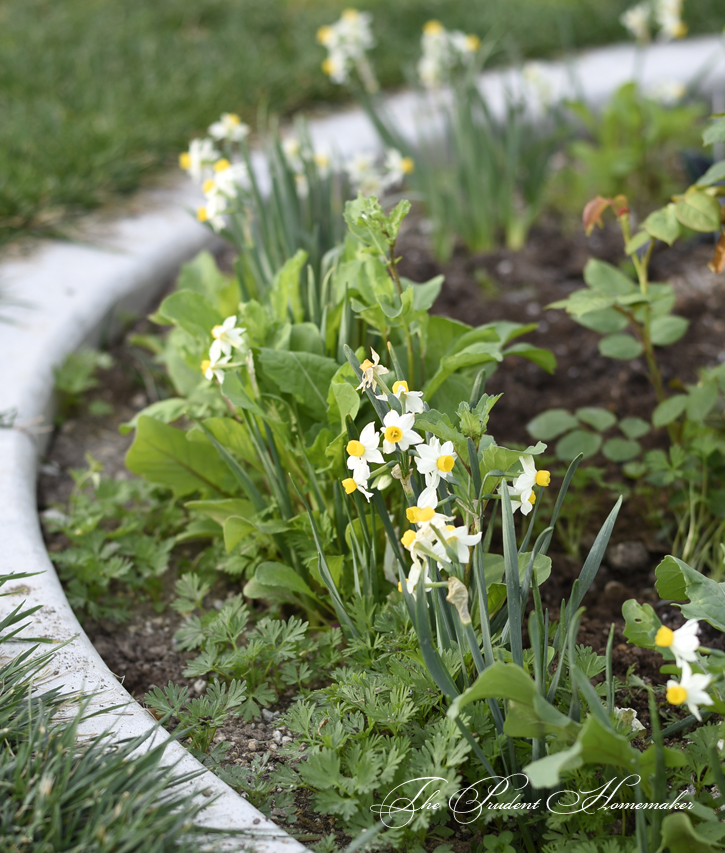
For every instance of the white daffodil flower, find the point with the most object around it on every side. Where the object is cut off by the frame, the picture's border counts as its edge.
(229, 127)
(417, 543)
(371, 372)
(358, 482)
(226, 337)
(214, 211)
(683, 642)
(637, 20)
(198, 160)
(461, 540)
(411, 401)
(213, 368)
(525, 482)
(668, 16)
(435, 461)
(364, 449)
(364, 174)
(396, 167)
(228, 178)
(322, 161)
(442, 49)
(347, 40)
(399, 433)
(690, 690)
(424, 512)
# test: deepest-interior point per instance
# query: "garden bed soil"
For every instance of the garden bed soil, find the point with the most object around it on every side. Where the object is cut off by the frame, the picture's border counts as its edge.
(479, 288)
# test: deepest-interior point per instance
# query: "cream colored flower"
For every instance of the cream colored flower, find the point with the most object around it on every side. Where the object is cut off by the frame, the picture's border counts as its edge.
(637, 20)
(524, 484)
(213, 368)
(461, 540)
(690, 690)
(371, 372)
(435, 461)
(199, 159)
(364, 449)
(358, 482)
(398, 432)
(229, 127)
(226, 338)
(683, 643)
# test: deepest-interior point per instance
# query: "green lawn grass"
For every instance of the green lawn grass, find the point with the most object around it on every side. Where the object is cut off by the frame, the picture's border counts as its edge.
(97, 94)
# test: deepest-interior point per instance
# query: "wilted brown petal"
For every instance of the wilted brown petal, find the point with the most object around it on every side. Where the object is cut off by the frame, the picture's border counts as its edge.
(717, 264)
(458, 597)
(593, 213)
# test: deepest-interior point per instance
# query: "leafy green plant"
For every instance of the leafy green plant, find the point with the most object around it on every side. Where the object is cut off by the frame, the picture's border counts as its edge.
(581, 432)
(198, 719)
(119, 534)
(632, 147)
(76, 376)
(270, 655)
(274, 409)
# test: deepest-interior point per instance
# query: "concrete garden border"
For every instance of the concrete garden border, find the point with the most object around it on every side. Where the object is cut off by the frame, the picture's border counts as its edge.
(71, 293)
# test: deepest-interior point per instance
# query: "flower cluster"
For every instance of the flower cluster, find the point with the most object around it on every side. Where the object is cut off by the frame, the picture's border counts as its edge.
(347, 41)
(226, 337)
(432, 535)
(221, 179)
(370, 179)
(522, 492)
(684, 644)
(443, 50)
(298, 158)
(666, 15)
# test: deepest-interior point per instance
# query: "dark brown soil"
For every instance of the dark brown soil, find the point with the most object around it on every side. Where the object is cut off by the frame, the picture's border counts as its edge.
(502, 285)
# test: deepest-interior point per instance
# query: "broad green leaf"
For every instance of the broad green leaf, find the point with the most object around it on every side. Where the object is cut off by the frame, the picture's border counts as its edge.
(621, 449)
(605, 322)
(282, 578)
(607, 279)
(193, 313)
(284, 294)
(304, 375)
(163, 454)
(699, 211)
(585, 301)
(499, 681)
(679, 836)
(236, 393)
(636, 243)
(663, 225)
(472, 355)
(305, 337)
(496, 458)
(714, 174)
(671, 584)
(668, 329)
(235, 529)
(634, 427)
(221, 510)
(442, 336)
(701, 400)
(596, 417)
(543, 357)
(669, 410)
(234, 436)
(641, 623)
(494, 567)
(550, 424)
(424, 295)
(547, 772)
(203, 276)
(576, 442)
(715, 132)
(166, 411)
(343, 400)
(620, 346)
(595, 744)
(707, 598)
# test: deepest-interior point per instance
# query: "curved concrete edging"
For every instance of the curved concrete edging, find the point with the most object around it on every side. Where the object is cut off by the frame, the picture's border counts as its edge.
(71, 291)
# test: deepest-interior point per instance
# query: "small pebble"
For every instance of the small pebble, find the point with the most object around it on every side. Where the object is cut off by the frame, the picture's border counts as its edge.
(286, 739)
(199, 685)
(269, 715)
(277, 735)
(252, 745)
